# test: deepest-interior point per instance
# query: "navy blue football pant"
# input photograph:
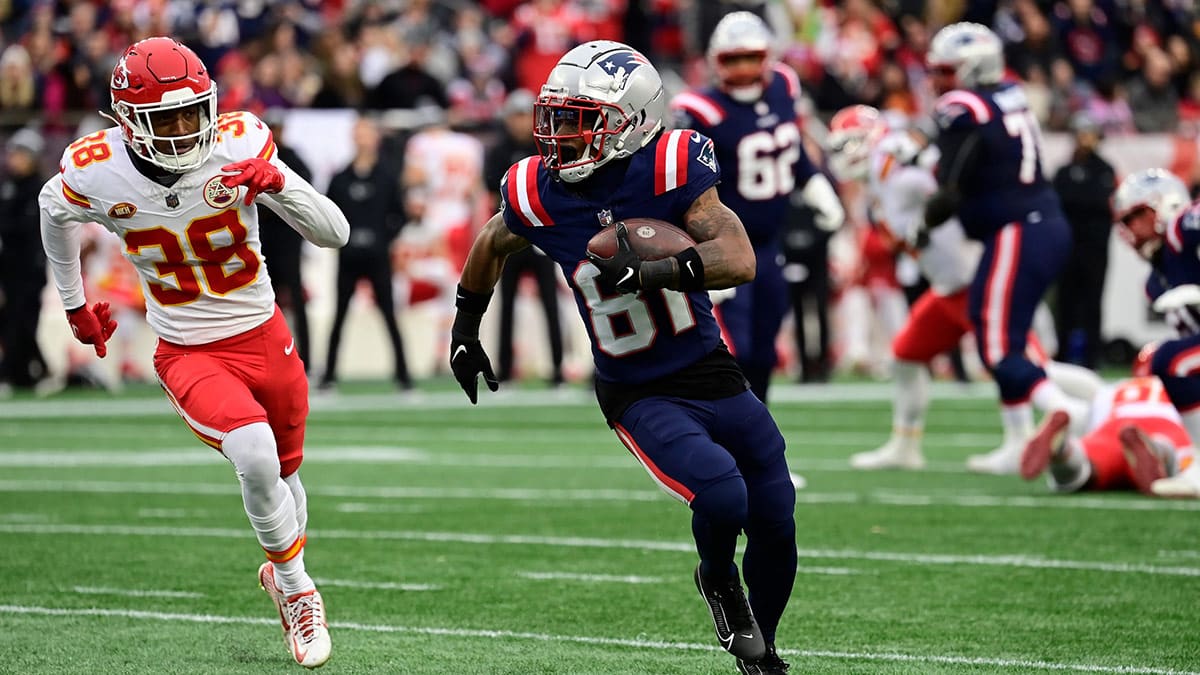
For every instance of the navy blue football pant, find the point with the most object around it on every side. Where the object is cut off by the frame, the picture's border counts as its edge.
(751, 318)
(1019, 263)
(725, 459)
(1177, 364)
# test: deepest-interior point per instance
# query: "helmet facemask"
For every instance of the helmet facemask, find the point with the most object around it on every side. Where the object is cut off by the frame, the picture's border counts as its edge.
(137, 122)
(576, 135)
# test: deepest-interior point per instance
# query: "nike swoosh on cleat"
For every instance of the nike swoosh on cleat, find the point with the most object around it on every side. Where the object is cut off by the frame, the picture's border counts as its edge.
(628, 274)
(462, 349)
(748, 637)
(287, 351)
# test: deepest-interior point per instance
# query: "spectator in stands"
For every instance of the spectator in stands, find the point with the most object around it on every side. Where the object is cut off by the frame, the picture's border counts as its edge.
(1152, 97)
(341, 86)
(282, 246)
(368, 192)
(411, 85)
(22, 261)
(545, 30)
(18, 87)
(1084, 185)
(1088, 38)
(516, 143)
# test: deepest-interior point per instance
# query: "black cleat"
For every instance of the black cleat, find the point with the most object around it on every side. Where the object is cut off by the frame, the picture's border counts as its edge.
(736, 628)
(769, 664)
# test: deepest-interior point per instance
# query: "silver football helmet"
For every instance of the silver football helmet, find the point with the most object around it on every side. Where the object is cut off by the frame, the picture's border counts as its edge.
(740, 34)
(602, 101)
(972, 52)
(1158, 190)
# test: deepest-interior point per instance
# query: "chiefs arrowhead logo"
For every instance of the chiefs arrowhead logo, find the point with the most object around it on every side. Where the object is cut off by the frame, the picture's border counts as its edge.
(122, 210)
(217, 194)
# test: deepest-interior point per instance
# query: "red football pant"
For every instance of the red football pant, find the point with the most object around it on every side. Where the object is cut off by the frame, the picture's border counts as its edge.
(936, 324)
(256, 376)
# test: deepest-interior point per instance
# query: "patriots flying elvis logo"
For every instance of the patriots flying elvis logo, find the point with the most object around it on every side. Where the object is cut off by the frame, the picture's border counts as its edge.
(622, 64)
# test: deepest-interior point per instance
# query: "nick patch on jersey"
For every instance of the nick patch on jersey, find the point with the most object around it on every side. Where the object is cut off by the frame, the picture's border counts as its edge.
(217, 194)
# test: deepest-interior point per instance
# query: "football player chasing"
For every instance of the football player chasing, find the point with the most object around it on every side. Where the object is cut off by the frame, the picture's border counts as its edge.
(990, 176)
(1157, 217)
(885, 160)
(666, 383)
(751, 114)
(179, 184)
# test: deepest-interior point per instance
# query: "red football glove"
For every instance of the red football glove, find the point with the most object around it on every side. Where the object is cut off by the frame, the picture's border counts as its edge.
(258, 175)
(93, 326)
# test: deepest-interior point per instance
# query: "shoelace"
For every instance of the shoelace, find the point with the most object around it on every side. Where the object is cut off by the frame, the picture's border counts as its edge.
(305, 615)
(733, 597)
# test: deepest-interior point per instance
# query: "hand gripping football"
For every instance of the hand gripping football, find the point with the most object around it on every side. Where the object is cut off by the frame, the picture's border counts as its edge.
(650, 239)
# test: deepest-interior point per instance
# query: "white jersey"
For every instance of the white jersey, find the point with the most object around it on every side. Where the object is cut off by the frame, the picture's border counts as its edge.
(195, 244)
(450, 166)
(1141, 397)
(899, 189)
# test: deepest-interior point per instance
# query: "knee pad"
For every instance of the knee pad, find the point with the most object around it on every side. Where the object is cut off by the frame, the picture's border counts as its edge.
(723, 502)
(251, 449)
(1015, 376)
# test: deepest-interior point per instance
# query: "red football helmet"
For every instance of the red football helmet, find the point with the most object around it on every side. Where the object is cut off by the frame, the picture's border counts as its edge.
(853, 132)
(161, 74)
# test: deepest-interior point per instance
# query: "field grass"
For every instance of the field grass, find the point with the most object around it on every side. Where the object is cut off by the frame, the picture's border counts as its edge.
(519, 537)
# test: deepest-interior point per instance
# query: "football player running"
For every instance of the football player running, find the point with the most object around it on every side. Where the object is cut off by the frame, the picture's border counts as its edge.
(1134, 437)
(665, 382)
(751, 115)
(1157, 217)
(990, 176)
(179, 183)
(864, 149)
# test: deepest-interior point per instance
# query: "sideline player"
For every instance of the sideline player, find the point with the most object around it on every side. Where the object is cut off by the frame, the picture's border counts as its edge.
(168, 179)
(664, 380)
(750, 113)
(990, 176)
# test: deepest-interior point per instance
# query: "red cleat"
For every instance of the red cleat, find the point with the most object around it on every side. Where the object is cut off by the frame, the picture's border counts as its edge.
(1145, 465)
(1045, 441)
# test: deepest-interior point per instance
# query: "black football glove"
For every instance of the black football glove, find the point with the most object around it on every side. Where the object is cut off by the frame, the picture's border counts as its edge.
(467, 362)
(622, 272)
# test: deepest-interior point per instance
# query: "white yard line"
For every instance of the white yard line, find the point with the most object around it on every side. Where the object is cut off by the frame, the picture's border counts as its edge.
(1019, 560)
(377, 585)
(134, 592)
(885, 497)
(1020, 664)
(455, 400)
(590, 578)
(832, 571)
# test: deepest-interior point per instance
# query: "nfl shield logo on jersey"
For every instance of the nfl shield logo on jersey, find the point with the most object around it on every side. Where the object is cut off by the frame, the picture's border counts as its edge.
(217, 194)
(605, 217)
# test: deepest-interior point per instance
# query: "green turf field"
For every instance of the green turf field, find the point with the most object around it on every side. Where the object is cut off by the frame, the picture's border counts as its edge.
(520, 537)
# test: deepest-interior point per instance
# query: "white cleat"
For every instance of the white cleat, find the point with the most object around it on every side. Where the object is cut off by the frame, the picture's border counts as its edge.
(1003, 461)
(305, 631)
(891, 455)
(1185, 485)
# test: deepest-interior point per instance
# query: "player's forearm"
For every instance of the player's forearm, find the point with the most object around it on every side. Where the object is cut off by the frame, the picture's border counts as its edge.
(723, 246)
(310, 213)
(61, 242)
(486, 258)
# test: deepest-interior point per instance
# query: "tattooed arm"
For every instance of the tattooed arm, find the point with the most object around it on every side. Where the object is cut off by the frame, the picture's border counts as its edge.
(493, 245)
(721, 242)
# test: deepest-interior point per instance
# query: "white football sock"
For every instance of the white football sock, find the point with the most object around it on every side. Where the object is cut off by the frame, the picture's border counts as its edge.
(1017, 420)
(300, 497)
(269, 503)
(1048, 397)
(1075, 381)
(911, 398)
(1191, 422)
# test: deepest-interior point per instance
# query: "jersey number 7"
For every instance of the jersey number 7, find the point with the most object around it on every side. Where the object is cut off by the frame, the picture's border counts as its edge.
(1024, 125)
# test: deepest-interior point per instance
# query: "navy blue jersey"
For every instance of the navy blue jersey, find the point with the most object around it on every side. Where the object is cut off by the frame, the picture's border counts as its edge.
(758, 147)
(1179, 262)
(635, 337)
(991, 149)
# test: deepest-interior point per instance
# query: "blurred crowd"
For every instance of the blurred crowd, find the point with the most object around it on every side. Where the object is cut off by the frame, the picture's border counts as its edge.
(1125, 66)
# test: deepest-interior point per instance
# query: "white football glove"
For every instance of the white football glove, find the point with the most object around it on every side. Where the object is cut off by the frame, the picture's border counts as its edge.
(1178, 298)
(819, 195)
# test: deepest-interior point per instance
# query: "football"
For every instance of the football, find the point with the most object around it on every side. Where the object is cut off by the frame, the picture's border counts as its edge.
(650, 239)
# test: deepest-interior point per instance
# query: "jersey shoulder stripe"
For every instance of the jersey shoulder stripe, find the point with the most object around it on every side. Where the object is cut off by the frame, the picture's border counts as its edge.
(671, 160)
(789, 77)
(699, 106)
(954, 102)
(522, 193)
(74, 197)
